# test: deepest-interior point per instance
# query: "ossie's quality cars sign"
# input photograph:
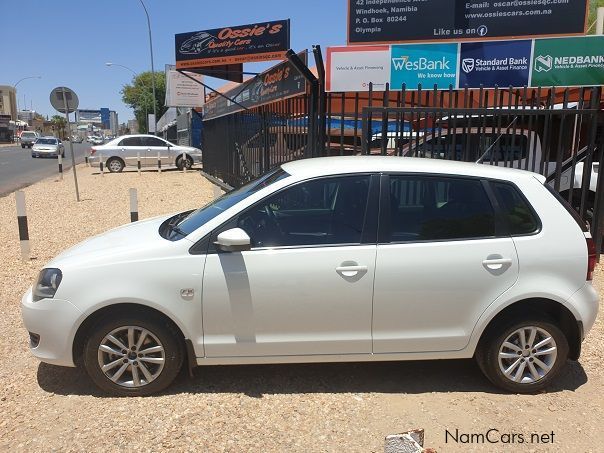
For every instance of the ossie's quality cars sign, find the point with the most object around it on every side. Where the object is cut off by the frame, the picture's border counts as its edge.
(231, 45)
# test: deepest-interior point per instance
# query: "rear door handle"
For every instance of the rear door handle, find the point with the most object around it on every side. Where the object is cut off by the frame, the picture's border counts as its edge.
(497, 262)
(351, 271)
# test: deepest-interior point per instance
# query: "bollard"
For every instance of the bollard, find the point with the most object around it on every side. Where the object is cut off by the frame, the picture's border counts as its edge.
(159, 161)
(138, 162)
(183, 159)
(86, 157)
(60, 157)
(101, 164)
(22, 222)
(133, 205)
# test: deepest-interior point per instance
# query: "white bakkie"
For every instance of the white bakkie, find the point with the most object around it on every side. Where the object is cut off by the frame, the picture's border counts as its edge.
(333, 259)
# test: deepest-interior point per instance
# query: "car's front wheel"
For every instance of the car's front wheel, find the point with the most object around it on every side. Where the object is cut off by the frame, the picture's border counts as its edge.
(133, 356)
(523, 356)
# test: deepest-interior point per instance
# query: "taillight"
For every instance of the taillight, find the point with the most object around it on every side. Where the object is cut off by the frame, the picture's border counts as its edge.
(591, 258)
(92, 151)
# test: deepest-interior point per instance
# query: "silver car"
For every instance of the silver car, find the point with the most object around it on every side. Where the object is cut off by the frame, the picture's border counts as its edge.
(48, 147)
(149, 149)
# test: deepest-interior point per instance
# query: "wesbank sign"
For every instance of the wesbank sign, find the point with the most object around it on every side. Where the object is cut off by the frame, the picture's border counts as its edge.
(541, 62)
(425, 64)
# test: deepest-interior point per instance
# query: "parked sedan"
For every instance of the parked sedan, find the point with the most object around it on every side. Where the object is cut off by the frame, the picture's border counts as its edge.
(48, 147)
(332, 259)
(128, 149)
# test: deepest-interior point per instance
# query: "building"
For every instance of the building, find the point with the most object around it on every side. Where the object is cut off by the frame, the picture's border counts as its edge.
(8, 112)
(102, 118)
(133, 126)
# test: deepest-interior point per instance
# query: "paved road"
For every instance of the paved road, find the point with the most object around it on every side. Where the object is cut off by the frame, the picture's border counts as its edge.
(18, 169)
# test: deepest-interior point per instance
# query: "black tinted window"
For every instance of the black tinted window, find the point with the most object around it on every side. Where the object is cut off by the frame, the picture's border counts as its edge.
(517, 212)
(131, 141)
(322, 211)
(424, 208)
(152, 141)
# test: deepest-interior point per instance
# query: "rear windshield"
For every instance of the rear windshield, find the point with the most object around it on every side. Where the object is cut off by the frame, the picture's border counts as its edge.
(28, 134)
(582, 223)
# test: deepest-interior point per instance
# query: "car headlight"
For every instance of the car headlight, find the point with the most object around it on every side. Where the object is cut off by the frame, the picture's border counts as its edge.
(47, 284)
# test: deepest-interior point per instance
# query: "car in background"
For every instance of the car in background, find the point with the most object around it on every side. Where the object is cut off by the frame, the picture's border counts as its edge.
(48, 147)
(28, 138)
(126, 150)
(76, 139)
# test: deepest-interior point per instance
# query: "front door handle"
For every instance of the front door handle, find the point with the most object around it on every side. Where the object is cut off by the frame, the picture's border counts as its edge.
(351, 270)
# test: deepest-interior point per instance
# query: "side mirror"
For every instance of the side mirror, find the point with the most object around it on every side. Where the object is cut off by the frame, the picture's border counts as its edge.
(233, 240)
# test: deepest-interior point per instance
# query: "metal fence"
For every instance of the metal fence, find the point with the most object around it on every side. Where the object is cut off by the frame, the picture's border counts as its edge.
(555, 132)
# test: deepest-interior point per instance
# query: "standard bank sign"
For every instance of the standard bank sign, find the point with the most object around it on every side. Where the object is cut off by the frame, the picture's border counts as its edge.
(425, 64)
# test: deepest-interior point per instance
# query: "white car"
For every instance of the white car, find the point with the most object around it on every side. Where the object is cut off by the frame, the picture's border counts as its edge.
(48, 147)
(331, 259)
(128, 149)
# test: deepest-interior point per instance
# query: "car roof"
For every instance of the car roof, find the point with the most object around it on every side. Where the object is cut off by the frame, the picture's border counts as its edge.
(324, 166)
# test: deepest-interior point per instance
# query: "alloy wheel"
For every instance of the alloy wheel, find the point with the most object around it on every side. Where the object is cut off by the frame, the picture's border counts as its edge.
(527, 355)
(131, 356)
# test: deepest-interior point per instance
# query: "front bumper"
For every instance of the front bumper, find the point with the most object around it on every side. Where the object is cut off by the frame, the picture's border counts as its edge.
(45, 153)
(54, 321)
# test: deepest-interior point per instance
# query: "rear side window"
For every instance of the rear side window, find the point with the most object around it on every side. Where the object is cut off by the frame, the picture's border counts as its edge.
(131, 141)
(519, 216)
(435, 208)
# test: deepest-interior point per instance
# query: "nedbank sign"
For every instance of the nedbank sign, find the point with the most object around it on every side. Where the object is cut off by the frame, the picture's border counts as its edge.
(568, 61)
(577, 61)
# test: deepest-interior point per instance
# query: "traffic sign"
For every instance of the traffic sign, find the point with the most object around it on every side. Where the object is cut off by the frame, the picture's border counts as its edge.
(64, 100)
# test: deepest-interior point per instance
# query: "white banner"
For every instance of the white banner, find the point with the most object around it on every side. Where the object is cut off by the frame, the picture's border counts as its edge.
(181, 91)
(352, 68)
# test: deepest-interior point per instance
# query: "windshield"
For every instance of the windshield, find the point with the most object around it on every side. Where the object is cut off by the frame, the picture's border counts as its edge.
(28, 134)
(46, 141)
(180, 227)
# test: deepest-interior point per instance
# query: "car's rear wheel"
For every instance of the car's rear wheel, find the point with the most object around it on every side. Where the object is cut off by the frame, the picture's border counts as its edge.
(23, 146)
(133, 356)
(188, 161)
(115, 165)
(523, 356)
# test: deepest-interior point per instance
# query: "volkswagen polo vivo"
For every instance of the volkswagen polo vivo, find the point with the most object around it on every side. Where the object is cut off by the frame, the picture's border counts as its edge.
(332, 259)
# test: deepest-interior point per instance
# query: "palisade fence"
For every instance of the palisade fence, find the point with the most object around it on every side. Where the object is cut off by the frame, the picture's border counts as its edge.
(557, 132)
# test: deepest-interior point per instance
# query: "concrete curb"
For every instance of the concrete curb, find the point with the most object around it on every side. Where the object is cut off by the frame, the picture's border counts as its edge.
(220, 183)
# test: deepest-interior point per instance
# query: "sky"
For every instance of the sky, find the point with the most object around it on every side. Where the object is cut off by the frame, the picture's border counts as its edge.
(68, 42)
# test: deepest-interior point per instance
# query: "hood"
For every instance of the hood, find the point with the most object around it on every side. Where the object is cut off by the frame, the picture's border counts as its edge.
(123, 242)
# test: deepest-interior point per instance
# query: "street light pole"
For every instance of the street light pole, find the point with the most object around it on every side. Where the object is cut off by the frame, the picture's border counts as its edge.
(17, 99)
(152, 70)
(135, 75)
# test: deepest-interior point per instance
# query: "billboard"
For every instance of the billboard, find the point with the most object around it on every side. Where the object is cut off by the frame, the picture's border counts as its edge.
(577, 61)
(396, 21)
(426, 64)
(568, 61)
(88, 116)
(181, 91)
(280, 82)
(495, 63)
(232, 45)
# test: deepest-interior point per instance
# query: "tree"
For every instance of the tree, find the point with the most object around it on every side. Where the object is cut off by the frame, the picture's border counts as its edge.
(139, 96)
(58, 124)
(593, 8)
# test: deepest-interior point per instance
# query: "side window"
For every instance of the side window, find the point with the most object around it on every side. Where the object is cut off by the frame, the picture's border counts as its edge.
(131, 141)
(319, 212)
(518, 214)
(434, 208)
(504, 147)
(152, 141)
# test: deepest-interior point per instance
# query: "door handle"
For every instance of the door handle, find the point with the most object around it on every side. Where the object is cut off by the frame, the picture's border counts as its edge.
(497, 262)
(342, 269)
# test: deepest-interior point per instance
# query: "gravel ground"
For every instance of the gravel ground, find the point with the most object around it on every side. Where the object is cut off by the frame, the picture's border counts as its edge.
(327, 407)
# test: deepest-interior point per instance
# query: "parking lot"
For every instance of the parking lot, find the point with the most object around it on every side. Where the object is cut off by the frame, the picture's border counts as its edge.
(322, 407)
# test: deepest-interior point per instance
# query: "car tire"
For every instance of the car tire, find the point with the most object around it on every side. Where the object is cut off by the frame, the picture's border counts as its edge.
(114, 165)
(138, 376)
(529, 369)
(188, 161)
(23, 146)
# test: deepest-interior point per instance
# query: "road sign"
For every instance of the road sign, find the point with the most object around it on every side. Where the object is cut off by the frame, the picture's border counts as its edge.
(62, 98)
